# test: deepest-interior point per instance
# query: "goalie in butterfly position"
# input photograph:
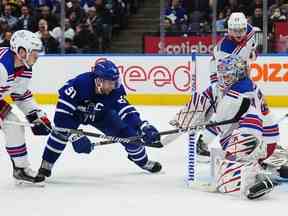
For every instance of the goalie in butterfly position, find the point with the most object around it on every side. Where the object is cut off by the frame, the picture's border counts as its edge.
(240, 41)
(97, 98)
(245, 143)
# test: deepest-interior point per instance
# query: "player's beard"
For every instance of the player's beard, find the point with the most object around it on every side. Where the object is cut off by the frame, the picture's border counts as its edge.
(106, 91)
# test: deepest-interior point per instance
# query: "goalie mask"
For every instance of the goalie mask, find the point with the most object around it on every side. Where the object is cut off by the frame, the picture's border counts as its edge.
(107, 77)
(231, 69)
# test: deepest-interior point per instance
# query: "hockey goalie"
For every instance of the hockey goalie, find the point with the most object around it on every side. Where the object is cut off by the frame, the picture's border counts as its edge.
(248, 141)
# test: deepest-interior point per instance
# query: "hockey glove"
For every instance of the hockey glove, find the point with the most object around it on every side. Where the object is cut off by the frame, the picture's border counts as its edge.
(195, 112)
(42, 125)
(149, 133)
(81, 144)
(5, 108)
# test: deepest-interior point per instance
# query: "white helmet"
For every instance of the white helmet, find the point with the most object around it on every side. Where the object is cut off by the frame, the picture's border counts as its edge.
(237, 22)
(27, 40)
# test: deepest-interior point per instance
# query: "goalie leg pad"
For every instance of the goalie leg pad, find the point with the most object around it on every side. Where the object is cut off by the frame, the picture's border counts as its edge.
(241, 147)
(228, 176)
(246, 179)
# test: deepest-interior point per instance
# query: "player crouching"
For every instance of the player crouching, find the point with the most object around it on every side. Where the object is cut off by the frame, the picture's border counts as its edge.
(245, 143)
(98, 98)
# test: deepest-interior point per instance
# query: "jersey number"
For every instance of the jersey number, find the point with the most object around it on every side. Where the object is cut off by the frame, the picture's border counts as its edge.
(71, 92)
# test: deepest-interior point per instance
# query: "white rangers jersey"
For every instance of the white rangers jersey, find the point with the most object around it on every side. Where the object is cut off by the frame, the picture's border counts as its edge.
(15, 81)
(257, 120)
(227, 46)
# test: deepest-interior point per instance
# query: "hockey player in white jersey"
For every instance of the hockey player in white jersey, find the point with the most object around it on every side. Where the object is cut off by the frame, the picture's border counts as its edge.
(245, 143)
(239, 41)
(15, 75)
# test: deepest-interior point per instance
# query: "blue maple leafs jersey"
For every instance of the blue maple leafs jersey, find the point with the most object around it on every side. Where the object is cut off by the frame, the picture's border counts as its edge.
(78, 96)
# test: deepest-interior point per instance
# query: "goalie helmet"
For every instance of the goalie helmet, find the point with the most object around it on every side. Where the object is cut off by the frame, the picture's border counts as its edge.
(106, 70)
(231, 69)
(237, 26)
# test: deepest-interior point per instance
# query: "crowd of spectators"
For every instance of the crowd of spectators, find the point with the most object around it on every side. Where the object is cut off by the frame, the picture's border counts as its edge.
(195, 17)
(89, 24)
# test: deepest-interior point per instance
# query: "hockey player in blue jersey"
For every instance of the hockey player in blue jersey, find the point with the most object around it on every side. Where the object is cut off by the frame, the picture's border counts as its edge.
(97, 98)
(15, 74)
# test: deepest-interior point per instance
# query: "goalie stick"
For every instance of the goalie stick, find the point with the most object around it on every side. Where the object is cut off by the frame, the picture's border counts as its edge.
(171, 138)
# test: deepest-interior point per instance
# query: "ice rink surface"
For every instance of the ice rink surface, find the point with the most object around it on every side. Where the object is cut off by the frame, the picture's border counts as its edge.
(107, 183)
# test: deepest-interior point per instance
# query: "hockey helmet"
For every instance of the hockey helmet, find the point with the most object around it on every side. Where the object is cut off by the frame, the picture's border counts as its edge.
(106, 70)
(26, 40)
(237, 24)
(231, 69)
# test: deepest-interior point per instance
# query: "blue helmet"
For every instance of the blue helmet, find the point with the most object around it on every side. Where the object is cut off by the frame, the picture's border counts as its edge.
(106, 70)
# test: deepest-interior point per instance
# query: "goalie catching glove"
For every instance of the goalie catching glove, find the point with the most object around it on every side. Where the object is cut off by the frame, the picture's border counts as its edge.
(42, 125)
(195, 112)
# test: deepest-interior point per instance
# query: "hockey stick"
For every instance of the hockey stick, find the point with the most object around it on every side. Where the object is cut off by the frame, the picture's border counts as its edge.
(113, 139)
(110, 139)
(177, 132)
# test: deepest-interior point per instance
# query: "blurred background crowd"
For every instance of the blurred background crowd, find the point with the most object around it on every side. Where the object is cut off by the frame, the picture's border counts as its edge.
(91, 26)
(88, 23)
(195, 17)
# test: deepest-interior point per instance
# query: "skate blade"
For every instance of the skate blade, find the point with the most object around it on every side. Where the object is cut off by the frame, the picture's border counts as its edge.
(23, 183)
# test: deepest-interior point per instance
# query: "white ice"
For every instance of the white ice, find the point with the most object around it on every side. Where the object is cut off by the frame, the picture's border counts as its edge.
(107, 183)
